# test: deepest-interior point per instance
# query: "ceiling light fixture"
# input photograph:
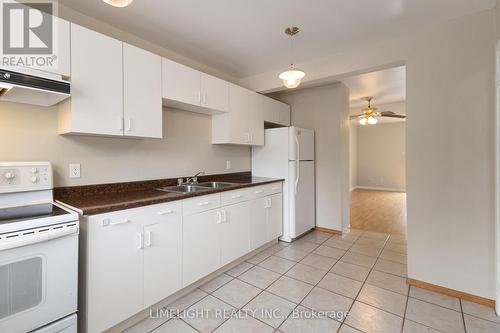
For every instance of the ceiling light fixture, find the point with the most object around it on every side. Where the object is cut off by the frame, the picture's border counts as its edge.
(293, 76)
(118, 3)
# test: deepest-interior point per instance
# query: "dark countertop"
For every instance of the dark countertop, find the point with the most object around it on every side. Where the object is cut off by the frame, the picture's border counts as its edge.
(104, 198)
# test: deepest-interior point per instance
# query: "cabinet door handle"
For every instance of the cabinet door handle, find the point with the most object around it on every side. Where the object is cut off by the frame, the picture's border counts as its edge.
(219, 217)
(224, 216)
(128, 127)
(140, 238)
(148, 238)
(266, 203)
(258, 191)
(203, 203)
(109, 222)
(247, 137)
(236, 196)
(199, 97)
(270, 203)
(170, 211)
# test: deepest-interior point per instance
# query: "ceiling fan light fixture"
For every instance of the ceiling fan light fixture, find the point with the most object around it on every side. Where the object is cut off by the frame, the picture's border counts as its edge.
(118, 3)
(292, 77)
(363, 121)
(372, 120)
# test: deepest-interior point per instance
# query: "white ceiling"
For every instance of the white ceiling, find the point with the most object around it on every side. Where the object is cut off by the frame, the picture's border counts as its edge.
(245, 37)
(385, 86)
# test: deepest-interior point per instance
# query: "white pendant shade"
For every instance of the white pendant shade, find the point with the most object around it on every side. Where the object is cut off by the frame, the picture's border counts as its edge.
(292, 77)
(118, 3)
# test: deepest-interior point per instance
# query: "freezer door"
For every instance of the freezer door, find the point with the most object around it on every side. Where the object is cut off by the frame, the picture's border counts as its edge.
(301, 145)
(301, 196)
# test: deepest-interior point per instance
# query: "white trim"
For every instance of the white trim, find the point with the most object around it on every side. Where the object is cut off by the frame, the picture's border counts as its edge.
(377, 188)
(497, 177)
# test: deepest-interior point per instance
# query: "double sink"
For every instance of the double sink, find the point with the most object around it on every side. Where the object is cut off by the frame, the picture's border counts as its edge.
(195, 187)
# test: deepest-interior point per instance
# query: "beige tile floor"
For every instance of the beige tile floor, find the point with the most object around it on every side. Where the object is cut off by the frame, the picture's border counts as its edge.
(289, 288)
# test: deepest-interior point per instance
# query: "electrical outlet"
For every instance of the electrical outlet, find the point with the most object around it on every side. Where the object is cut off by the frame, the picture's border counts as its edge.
(228, 165)
(74, 170)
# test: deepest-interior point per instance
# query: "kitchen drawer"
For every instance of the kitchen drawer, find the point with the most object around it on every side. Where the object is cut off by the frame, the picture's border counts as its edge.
(232, 197)
(163, 212)
(200, 204)
(258, 191)
(274, 188)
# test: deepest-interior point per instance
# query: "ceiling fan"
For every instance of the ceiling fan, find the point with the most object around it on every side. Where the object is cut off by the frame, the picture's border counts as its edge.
(370, 114)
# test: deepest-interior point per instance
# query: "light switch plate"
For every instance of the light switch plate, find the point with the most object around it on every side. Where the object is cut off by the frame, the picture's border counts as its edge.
(74, 170)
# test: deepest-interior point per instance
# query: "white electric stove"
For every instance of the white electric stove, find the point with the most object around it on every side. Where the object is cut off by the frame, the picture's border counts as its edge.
(38, 253)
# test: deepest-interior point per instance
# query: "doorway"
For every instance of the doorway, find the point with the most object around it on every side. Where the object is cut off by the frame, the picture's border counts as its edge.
(377, 148)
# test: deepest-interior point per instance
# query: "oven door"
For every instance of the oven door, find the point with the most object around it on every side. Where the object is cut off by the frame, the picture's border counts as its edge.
(38, 276)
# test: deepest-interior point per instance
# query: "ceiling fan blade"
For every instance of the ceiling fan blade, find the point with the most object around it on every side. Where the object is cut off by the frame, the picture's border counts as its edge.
(401, 116)
(391, 114)
(356, 116)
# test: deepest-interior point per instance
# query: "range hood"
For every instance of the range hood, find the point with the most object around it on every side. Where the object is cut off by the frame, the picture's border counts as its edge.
(32, 87)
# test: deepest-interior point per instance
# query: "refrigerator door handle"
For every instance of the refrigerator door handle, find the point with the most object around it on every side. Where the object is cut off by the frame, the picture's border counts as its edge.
(297, 176)
(297, 145)
(297, 163)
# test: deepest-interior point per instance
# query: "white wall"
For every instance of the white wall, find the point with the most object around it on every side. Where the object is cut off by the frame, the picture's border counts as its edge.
(380, 156)
(325, 109)
(353, 155)
(30, 133)
(450, 143)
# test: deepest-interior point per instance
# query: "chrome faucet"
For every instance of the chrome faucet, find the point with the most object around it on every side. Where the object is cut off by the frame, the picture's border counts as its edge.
(190, 180)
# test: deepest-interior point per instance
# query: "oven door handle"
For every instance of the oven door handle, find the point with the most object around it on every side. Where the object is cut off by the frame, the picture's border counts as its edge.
(37, 237)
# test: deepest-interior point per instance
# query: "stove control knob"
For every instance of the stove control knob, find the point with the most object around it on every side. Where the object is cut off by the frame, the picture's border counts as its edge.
(34, 179)
(9, 175)
(34, 170)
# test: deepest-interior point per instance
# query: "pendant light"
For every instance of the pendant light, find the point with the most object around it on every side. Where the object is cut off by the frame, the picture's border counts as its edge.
(293, 76)
(118, 3)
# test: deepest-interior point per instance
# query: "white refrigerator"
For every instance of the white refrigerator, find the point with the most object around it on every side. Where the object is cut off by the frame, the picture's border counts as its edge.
(288, 153)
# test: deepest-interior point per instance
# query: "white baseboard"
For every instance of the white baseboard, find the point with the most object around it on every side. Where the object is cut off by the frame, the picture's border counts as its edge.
(376, 188)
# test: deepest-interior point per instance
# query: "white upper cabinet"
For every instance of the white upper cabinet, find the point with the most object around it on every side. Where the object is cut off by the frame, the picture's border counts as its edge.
(192, 90)
(275, 112)
(115, 88)
(96, 103)
(181, 84)
(243, 124)
(214, 93)
(142, 95)
(62, 47)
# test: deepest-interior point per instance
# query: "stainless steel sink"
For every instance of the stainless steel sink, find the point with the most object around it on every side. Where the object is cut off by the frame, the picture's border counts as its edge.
(183, 188)
(215, 184)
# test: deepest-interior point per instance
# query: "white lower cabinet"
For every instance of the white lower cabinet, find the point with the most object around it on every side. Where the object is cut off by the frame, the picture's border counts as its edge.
(258, 222)
(132, 261)
(200, 245)
(234, 232)
(134, 258)
(114, 271)
(162, 254)
(274, 216)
